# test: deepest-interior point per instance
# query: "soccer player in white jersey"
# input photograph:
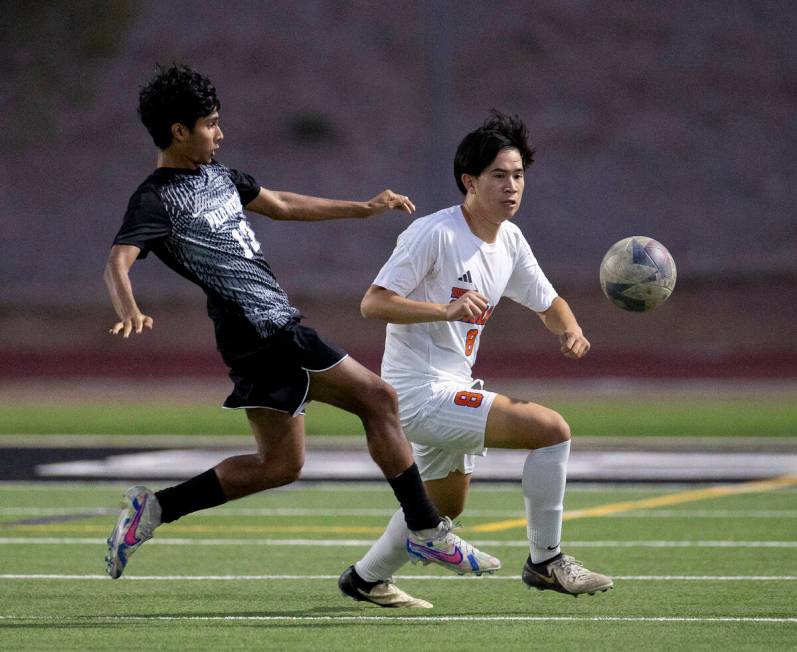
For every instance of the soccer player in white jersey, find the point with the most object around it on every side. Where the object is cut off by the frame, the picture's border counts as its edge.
(436, 292)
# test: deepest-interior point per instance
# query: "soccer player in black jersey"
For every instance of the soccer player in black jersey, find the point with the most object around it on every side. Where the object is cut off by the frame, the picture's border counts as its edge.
(189, 213)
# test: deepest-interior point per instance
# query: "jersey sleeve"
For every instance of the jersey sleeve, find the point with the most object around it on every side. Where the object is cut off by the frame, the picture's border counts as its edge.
(145, 223)
(248, 189)
(528, 285)
(415, 255)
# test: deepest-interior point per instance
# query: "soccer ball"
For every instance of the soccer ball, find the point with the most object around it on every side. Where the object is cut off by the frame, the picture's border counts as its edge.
(637, 273)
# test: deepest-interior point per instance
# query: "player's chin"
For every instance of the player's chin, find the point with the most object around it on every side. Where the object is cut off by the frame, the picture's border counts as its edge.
(510, 209)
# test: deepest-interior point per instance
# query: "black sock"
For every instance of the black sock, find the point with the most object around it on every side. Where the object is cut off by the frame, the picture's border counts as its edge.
(419, 512)
(545, 562)
(200, 492)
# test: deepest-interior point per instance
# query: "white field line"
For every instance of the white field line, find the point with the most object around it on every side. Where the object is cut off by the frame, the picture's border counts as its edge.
(55, 541)
(236, 578)
(407, 619)
(300, 511)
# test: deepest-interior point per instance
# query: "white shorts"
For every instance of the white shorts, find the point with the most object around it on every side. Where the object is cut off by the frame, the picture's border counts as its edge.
(448, 429)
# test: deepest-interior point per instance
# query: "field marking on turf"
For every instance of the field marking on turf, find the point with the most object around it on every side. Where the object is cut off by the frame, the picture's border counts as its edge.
(301, 511)
(346, 543)
(409, 619)
(228, 578)
(659, 501)
(51, 526)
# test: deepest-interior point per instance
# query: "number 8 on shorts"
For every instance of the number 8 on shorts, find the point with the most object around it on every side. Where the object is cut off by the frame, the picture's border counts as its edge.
(468, 399)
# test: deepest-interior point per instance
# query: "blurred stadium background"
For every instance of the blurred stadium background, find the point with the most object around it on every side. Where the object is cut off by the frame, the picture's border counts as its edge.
(673, 120)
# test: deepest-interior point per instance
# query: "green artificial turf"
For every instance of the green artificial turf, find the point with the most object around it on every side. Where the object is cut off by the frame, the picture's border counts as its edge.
(589, 417)
(711, 574)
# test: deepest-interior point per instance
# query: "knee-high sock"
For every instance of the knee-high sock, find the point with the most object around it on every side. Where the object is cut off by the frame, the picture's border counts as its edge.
(388, 554)
(544, 479)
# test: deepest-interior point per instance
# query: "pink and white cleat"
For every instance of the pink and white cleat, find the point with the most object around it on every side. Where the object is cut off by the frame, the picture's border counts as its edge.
(141, 514)
(441, 546)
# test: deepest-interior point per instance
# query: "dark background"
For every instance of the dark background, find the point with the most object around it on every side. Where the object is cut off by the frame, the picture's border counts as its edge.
(673, 120)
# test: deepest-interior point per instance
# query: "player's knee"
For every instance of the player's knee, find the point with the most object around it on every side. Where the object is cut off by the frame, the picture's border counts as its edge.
(379, 400)
(285, 476)
(548, 431)
(558, 429)
(277, 473)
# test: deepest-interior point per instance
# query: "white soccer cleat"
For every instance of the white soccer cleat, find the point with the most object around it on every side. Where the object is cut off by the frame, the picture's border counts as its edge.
(565, 575)
(384, 593)
(141, 514)
(441, 546)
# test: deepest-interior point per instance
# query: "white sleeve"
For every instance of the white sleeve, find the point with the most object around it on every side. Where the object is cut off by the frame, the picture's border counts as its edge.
(528, 285)
(415, 255)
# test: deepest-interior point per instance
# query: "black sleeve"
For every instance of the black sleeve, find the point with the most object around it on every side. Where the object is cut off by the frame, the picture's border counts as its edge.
(246, 186)
(146, 222)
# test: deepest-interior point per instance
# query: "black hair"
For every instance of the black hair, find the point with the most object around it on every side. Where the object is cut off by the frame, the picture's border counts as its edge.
(480, 147)
(175, 94)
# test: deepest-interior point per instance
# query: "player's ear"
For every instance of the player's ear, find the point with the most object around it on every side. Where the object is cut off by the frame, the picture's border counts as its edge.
(179, 132)
(469, 182)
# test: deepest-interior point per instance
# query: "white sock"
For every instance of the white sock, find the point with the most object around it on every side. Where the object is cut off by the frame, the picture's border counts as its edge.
(544, 478)
(388, 554)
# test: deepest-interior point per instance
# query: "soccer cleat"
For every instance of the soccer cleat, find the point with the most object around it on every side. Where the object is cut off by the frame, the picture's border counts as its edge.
(565, 575)
(384, 593)
(441, 546)
(140, 515)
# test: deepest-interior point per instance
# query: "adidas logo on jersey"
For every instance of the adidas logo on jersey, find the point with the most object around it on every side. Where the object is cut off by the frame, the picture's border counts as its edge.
(466, 277)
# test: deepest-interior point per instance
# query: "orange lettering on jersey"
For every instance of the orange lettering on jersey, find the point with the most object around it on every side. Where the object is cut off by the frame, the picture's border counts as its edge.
(481, 320)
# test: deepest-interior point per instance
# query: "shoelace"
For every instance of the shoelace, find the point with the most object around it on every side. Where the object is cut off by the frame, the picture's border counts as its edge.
(572, 567)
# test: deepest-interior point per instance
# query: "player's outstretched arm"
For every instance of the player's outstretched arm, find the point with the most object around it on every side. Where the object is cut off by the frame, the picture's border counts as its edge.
(117, 279)
(384, 304)
(560, 320)
(281, 205)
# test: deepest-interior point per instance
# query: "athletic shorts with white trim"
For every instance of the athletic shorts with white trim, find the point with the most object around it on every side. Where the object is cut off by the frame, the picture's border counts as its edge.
(277, 374)
(447, 432)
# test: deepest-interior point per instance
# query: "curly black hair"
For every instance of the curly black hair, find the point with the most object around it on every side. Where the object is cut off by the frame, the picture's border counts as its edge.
(175, 94)
(480, 147)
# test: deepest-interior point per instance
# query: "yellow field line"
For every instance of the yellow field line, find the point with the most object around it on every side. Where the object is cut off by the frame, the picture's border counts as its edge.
(659, 501)
(496, 526)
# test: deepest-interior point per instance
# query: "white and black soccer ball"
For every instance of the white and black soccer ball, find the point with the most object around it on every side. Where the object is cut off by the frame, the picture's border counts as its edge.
(637, 273)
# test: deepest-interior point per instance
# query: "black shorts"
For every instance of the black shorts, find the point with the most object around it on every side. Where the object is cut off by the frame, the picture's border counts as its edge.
(276, 374)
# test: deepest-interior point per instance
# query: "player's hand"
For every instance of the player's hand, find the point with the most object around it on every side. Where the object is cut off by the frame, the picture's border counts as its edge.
(573, 344)
(134, 324)
(470, 305)
(389, 200)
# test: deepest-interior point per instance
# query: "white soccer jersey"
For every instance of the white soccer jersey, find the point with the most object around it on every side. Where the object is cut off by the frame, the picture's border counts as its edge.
(437, 259)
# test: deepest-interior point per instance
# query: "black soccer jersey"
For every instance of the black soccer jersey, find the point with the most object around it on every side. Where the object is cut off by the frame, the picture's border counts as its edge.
(193, 220)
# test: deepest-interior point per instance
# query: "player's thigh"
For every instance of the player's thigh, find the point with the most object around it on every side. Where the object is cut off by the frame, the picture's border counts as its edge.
(448, 415)
(513, 423)
(450, 493)
(279, 436)
(351, 387)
